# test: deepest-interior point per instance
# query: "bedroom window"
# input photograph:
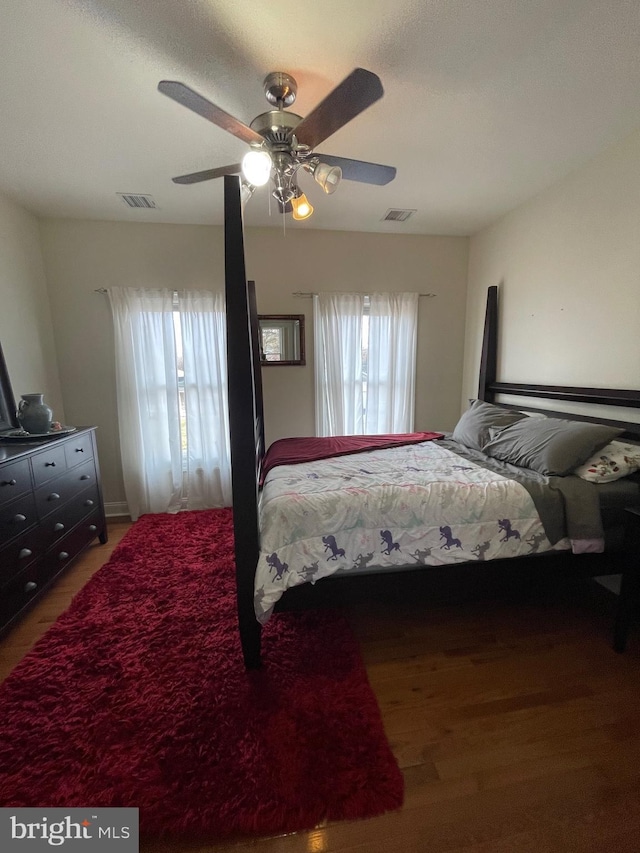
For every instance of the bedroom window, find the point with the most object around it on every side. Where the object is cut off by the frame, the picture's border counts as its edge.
(365, 362)
(172, 398)
(273, 343)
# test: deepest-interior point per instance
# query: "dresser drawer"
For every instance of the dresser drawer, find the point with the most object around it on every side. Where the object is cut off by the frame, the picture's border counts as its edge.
(16, 594)
(15, 479)
(77, 450)
(64, 551)
(16, 517)
(54, 494)
(60, 522)
(20, 552)
(48, 464)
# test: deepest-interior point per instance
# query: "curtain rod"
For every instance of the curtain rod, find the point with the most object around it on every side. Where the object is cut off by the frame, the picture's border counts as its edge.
(365, 292)
(295, 293)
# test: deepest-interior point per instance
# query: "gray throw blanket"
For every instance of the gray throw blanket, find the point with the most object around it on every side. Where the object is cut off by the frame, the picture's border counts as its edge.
(567, 506)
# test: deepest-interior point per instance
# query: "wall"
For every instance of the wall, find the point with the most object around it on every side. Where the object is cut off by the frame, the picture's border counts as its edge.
(312, 261)
(568, 267)
(26, 333)
(81, 256)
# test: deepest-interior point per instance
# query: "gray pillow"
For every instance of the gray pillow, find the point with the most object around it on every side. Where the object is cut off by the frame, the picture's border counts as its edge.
(550, 446)
(472, 429)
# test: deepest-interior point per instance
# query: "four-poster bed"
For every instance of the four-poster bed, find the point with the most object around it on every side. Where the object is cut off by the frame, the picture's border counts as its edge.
(512, 489)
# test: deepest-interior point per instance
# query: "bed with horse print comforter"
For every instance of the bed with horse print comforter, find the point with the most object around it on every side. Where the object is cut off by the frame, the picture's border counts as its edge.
(431, 503)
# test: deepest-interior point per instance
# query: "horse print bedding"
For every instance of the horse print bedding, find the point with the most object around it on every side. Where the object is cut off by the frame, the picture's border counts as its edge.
(431, 503)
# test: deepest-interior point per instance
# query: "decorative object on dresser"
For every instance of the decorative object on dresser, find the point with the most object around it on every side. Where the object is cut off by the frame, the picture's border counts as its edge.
(34, 415)
(51, 508)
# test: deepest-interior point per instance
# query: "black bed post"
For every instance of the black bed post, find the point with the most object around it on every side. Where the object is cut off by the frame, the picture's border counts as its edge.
(254, 330)
(489, 357)
(242, 422)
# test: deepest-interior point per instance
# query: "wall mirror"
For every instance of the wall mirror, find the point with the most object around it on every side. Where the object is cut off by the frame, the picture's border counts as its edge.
(7, 400)
(281, 338)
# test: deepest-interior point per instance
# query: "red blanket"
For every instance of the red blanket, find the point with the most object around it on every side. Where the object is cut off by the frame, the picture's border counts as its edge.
(289, 451)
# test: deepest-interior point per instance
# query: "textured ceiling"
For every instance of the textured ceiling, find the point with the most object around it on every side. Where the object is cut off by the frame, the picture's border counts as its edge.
(487, 102)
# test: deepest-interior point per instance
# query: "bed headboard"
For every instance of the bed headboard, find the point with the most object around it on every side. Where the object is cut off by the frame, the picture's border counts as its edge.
(489, 387)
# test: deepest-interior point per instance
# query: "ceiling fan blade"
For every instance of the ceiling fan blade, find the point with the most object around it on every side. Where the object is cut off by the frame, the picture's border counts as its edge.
(356, 92)
(207, 174)
(193, 101)
(359, 170)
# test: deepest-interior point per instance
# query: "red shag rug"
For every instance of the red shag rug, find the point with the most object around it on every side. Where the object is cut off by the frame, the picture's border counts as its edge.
(137, 696)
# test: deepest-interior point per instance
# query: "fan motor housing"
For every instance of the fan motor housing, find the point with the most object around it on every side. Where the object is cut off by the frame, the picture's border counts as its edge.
(276, 126)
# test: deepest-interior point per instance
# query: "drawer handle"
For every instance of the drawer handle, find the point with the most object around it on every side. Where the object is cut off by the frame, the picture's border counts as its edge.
(88, 503)
(54, 496)
(24, 554)
(49, 464)
(19, 518)
(92, 528)
(30, 586)
(8, 482)
(57, 527)
(86, 477)
(63, 555)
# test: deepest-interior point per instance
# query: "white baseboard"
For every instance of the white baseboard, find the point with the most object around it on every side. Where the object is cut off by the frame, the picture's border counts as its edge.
(116, 508)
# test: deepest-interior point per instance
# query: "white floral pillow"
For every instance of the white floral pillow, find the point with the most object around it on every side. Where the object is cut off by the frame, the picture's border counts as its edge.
(613, 461)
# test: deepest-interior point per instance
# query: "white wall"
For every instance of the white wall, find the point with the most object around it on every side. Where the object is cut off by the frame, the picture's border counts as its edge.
(311, 261)
(568, 268)
(81, 256)
(25, 322)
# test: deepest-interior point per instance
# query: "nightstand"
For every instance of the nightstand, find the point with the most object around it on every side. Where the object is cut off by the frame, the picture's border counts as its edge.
(630, 586)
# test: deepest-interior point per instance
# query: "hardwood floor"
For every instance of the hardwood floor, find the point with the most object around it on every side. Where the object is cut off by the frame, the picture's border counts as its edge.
(516, 725)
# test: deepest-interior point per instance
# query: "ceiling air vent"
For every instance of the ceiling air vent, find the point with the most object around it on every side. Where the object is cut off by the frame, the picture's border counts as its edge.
(394, 215)
(142, 202)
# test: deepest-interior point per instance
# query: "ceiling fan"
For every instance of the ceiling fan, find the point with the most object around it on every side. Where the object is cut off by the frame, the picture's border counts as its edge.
(282, 142)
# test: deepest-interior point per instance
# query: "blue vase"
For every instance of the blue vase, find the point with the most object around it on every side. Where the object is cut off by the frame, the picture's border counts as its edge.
(34, 415)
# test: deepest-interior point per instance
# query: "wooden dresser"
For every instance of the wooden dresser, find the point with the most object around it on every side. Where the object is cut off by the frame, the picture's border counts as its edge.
(51, 508)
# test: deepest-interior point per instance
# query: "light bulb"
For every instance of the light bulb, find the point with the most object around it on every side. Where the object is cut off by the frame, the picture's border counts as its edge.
(302, 208)
(256, 167)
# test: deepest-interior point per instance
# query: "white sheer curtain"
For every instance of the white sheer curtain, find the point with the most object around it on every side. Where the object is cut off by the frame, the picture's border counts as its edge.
(208, 454)
(391, 371)
(337, 327)
(365, 362)
(171, 459)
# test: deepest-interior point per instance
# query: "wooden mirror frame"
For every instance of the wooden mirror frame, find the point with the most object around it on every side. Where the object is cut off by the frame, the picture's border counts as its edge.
(299, 318)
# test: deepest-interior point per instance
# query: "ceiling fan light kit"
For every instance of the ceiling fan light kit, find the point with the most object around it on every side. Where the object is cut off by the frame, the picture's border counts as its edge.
(282, 142)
